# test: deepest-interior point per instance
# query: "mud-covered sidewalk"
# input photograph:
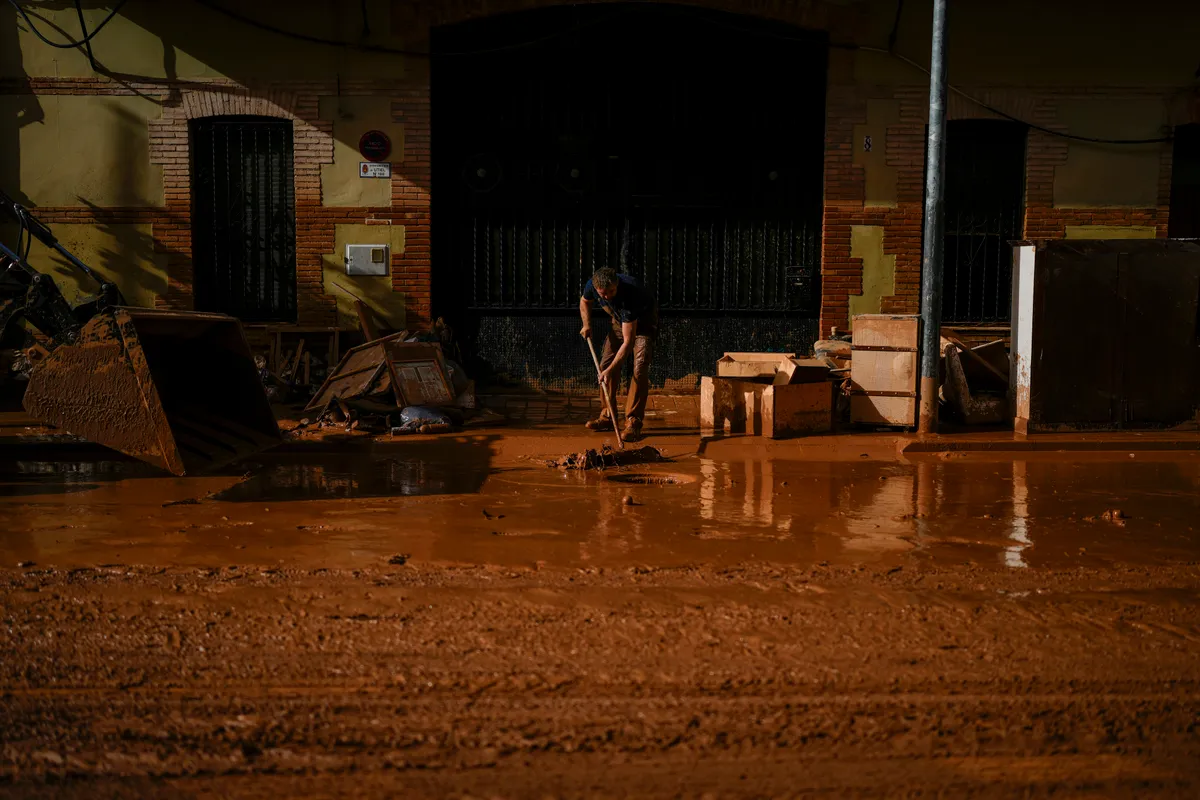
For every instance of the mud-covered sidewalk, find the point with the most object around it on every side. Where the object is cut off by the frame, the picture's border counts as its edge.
(451, 616)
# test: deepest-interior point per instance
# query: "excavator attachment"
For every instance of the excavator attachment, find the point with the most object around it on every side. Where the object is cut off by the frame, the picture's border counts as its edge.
(176, 389)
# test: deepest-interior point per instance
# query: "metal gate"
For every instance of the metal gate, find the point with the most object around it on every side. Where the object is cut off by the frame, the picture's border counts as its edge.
(985, 189)
(244, 218)
(659, 140)
(1184, 220)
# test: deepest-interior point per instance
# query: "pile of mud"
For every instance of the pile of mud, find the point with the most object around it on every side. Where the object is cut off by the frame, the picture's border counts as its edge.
(607, 457)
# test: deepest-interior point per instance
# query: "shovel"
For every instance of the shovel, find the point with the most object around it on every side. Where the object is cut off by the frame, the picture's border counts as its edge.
(612, 415)
(177, 389)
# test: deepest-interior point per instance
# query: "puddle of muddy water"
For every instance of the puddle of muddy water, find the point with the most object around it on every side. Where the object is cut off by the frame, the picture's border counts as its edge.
(1010, 515)
(344, 478)
(25, 478)
(650, 479)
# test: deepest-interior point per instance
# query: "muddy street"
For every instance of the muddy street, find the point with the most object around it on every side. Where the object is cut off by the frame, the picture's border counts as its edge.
(451, 616)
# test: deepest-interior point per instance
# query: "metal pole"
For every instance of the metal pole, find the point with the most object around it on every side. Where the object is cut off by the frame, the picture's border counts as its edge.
(931, 256)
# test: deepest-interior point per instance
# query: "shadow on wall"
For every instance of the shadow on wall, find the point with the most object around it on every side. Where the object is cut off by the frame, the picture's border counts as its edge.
(125, 253)
(25, 111)
(58, 20)
(201, 43)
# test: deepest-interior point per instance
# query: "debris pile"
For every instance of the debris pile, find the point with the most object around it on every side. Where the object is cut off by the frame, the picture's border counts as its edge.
(776, 395)
(401, 383)
(420, 419)
(975, 389)
(606, 457)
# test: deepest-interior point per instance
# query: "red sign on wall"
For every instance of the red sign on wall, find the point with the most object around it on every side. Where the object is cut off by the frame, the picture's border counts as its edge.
(375, 146)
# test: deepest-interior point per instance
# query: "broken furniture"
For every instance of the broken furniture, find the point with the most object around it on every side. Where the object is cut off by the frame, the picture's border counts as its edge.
(767, 394)
(883, 369)
(1106, 334)
(775, 411)
(291, 349)
(978, 396)
(393, 372)
(778, 368)
(176, 389)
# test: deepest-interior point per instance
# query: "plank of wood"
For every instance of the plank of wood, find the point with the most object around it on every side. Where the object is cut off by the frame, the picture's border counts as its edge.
(971, 354)
(296, 364)
(364, 321)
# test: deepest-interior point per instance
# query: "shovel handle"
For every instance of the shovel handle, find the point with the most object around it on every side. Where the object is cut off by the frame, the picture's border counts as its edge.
(612, 414)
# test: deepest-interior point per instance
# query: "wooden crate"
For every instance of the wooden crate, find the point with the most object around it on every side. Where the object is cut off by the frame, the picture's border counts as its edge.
(885, 331)
(883, 369)
(868, 409)
(764, 409)
(887, 372)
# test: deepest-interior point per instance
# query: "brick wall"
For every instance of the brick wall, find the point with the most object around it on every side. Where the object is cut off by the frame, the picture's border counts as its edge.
(845, 182)
(312, 147)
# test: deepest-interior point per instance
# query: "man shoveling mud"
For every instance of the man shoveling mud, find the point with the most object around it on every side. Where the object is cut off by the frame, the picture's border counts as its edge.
(634, 312)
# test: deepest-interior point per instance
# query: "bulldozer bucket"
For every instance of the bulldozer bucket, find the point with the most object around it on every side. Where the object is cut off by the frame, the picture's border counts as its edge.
(176, 389)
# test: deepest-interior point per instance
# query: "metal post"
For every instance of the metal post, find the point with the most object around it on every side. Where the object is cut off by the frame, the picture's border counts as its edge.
(931, 257)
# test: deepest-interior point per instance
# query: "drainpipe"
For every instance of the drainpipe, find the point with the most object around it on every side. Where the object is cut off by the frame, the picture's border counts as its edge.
(931, 256)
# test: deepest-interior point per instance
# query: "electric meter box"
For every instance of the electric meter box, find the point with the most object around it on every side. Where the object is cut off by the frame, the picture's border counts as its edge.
(367, 259)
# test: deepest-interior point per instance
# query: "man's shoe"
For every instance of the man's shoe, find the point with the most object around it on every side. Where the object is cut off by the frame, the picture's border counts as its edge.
(633, 430)
(602, 424)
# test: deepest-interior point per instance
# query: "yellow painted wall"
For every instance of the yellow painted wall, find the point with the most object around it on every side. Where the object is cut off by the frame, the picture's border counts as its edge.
(183, 39)
(1097, 175)
(879, 270)
(1034, 42)
(880, 178)
(123, 253)
(81, 150)
(386, 305)
(352, 117)
(1110, 232)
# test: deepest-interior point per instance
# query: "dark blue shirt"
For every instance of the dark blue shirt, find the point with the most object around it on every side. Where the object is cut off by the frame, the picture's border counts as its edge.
(633, 301)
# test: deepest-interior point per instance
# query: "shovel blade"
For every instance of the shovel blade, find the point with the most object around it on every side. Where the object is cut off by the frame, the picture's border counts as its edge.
(175, 389)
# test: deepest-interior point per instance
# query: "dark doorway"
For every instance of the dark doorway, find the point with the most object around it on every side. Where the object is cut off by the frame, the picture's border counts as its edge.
(1184, 220)
(680, 145)
(244, 218)
(985, 209)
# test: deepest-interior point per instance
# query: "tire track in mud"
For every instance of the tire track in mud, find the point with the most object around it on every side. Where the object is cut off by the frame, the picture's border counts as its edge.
(641, 681)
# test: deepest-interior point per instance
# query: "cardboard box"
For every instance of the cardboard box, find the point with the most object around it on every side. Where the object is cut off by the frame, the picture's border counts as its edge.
(766, 409)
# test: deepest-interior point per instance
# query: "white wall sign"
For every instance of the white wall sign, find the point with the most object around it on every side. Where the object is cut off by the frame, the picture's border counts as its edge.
(374, 169)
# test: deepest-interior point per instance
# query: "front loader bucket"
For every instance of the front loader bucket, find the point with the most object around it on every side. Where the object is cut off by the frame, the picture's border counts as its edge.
(176, 389)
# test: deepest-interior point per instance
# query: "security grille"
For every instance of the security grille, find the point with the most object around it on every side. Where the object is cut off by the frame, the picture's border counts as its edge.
(712, 261)
(243, 218)
(1184, 219)
(652, 139)
(984, 207)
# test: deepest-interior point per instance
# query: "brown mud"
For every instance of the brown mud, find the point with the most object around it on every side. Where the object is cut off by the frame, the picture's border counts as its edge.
(445, 616)
(607, 458)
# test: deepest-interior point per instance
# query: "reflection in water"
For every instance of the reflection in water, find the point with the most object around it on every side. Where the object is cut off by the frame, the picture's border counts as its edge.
(1011, 515)
(880, 516)
(741, 493)
(1014, 553)
(345, 478)
(25, 478)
